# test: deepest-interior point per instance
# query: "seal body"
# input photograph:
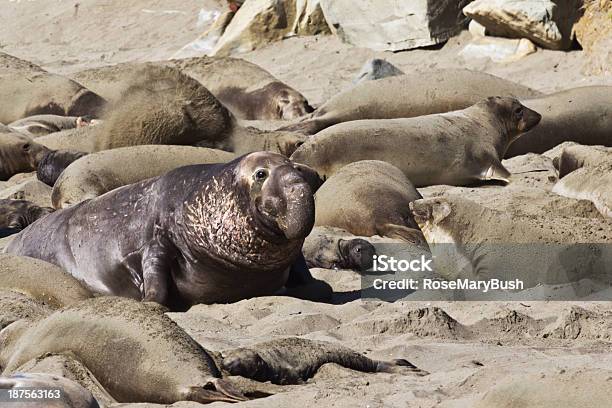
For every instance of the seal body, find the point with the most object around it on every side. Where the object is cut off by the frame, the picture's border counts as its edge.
(39, 125)
(53, 164)
(26, 89)
(18, 214)
(248, 90)
(367, 198)
(407, 96)
(455, 148)
(593, 183)
(19, 154)
(104, 171)
(151, 358)
(199, 234)
(582, 115)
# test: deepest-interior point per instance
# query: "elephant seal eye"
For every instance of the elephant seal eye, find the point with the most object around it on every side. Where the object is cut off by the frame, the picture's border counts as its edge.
(260, 175)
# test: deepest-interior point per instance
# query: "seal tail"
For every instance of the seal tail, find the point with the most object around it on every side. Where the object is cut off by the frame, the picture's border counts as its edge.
(399, 366)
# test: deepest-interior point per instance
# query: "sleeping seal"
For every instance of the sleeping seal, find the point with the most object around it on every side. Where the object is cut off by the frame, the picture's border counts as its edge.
(455, 148)
(18, 154)
(107, 170)
(198, 234)
(367, 198)
(18, 214)
(39, 125)
(407, 96)
(332, 248)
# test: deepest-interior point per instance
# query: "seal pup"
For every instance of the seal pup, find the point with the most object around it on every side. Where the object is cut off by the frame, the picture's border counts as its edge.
(193, 235)
(332, 248)
(18, 214)
(582, 115)
(40, 280)
(471, 241)
(456, 148)
(407, 96)
(18, 154)
(367, 198)
(101, 172)
(375, 69)
(26, 89)
(53, 164)
(294, 360)
(72, 394)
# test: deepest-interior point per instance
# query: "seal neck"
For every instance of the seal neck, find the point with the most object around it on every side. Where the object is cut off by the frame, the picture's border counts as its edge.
(220, 224)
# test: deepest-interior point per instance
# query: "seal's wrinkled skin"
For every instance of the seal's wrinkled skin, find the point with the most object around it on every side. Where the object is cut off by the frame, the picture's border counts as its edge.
(18, 214)
(199, 234)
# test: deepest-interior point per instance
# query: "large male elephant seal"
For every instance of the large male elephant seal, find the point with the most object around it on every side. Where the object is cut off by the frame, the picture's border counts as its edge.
(248, 90)
(18, 154)
(54, 163)
(18, 214)
(101, 172)
(199, 234)
(407, 96)
(153, 360)
(455, 148)
(367, 198)
(26, 89)
(39, 125)
(582, 115)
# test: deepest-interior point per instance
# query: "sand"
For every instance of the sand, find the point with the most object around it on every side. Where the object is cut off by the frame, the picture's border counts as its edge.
(483, 354)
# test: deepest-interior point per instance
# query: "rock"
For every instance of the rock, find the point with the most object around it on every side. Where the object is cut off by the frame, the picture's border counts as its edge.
(386, 25)
(594, 33)
(498, 49)
(260, 22)
(310, 19)
(476, 29)
(546, 23)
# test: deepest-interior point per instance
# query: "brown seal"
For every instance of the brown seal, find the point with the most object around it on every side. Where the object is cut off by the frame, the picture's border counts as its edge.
(455, 148)
(18, 214)
(407, 96)
(19, 154)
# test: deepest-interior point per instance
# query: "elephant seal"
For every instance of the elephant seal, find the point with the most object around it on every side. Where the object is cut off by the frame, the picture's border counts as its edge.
(367, 198)
(329, 249)
(18, 154)
(248, 90)
(18, 214)
(40, 280)
(576, 156)
(407, 96)
(471, 241)
(81, 139)
(593, 183)
(194, 235)
(54, 163)
(294, 360)
(162, 105)
(582, 115)
(455, 148)
(151, 358)
(26, 89)
(70, 394)
(39, 125)
(376, 69)
(15, 306)
(101, 172)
